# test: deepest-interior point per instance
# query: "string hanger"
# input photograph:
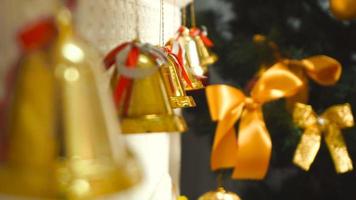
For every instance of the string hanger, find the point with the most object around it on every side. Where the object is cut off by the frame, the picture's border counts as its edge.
(161, 28)
(174, 14)
(192, 14)
(137, 21)
(184, 14)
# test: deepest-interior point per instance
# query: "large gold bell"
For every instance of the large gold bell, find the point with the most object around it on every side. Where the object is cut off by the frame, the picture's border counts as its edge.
(219, 194)
(191, 60)
(206, 57)
(174, 85)
(63, 141)
(146, 107)
(343, 9)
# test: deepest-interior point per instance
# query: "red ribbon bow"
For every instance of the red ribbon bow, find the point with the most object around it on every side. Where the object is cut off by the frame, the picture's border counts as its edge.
(124, 83)
(203, 35)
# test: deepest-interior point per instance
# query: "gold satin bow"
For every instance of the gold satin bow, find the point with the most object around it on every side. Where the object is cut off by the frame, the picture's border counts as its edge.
(328, 124)
(324, 70)
(249, 154)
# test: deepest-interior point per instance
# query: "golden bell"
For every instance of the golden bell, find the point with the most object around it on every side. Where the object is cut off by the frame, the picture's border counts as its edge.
(62, 136)
(174, 86)
(206, 57)
(191, 62)
(219, 194)
(343, 9)
(146, 106)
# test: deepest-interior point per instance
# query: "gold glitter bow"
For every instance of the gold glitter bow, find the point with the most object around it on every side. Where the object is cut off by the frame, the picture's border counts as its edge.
(328, 124)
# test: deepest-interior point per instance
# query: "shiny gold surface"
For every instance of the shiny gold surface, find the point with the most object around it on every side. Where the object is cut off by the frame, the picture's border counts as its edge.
(153, 123)
(192, 62)
(328, 124)
(174, 86)
(206, 57)
(322, 69)
(343, 9)
(249, 151)
(29, 168)
(147, 108)
(219, 194)
(61, 142)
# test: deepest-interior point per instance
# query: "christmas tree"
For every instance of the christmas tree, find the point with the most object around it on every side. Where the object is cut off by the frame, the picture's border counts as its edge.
(300, 28)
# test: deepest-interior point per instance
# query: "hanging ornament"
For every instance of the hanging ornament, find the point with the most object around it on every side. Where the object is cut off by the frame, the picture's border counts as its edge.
(174, 46)
(204, 44)
(250, 155)
(37, 36)
(328, 124)
(219, 194)
(140, 94)
(173, 71)
(173, 74)
(187, 51)
(343, 9)
(62, 118)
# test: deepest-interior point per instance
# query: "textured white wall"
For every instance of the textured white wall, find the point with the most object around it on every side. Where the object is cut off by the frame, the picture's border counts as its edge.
(105, 24)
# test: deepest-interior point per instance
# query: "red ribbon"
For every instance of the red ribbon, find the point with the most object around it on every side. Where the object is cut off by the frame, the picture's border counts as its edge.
(196, 31)
(180, 63)
(124, 83)
(110, 58)
(37, 35)
(181, 30)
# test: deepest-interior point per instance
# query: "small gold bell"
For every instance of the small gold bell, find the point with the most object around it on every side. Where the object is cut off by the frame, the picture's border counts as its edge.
(191, 59)
(174, 86)
(62, 136)
(145, 106)
(219, 194)
(343, 9)
(206, 57)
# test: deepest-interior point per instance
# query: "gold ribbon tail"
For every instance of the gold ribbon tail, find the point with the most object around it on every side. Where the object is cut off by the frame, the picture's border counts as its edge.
(338, 150)
(307, 148)
(224, 150)
(254, 147)
(225, 105)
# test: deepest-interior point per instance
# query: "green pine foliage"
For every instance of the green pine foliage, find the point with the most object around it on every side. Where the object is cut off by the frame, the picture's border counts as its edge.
(301, 28)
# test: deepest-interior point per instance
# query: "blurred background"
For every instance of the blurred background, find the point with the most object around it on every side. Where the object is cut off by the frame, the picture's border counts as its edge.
(300, 28)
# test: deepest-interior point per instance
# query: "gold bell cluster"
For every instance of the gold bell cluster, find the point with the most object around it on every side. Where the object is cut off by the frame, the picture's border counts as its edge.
(148, 82)
(186, 50)
(147, 86)
(62, 142)
(192, 46)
